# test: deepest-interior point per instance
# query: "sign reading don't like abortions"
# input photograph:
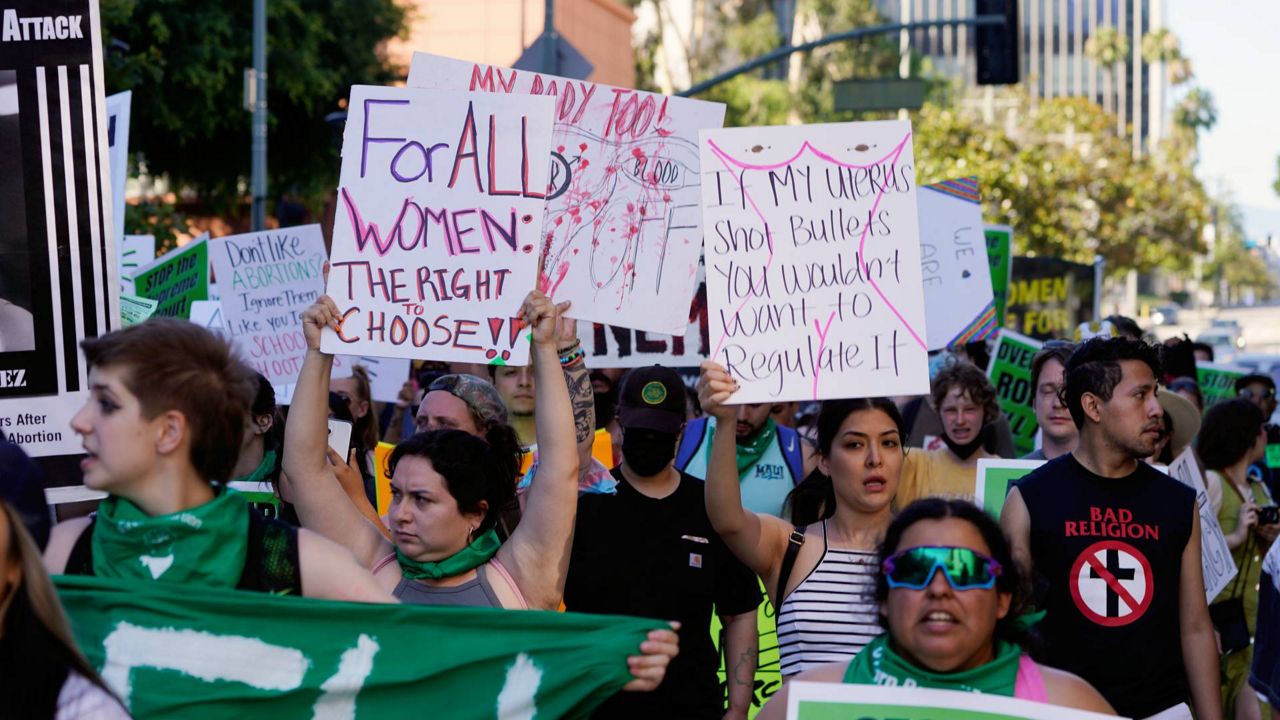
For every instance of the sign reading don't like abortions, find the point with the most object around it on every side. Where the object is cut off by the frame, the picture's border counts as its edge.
(812, 250)
(435, 244)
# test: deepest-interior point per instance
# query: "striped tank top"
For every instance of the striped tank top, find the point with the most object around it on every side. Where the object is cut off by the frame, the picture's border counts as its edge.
(832, 613)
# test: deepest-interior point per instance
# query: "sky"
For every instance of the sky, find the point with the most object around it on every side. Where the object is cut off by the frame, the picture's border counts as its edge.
(1234, 52)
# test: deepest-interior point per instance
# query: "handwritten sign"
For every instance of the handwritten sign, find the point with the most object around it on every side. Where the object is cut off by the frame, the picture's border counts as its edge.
(1215, 554)
(959, 304)
(995, 477)
(386, 375)
(208, 314)
(176, 279)
(439, 208)
(269, 279)
(1218, 381)
(813, 260)
(118, 110)
(134, 251)
(825, 701)
(623, 230)
(613, 346)
(1010, 373)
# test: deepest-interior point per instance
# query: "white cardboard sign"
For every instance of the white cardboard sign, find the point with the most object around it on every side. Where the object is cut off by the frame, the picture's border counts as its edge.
(619, 347)
(959, 305)
(118, 109)
(1215, 555)
(439, 209)
(623, 231)
(812, 249)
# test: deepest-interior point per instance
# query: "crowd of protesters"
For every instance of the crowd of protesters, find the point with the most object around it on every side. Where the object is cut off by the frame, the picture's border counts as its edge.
(651, 493)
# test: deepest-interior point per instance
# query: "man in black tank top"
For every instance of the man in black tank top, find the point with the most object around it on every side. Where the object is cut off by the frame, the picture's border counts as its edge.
(1115, 546)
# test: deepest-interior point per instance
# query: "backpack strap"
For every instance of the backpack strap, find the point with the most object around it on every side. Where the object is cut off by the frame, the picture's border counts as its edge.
(789, 562)
(792, 452)
(690, 442)
(80, 561)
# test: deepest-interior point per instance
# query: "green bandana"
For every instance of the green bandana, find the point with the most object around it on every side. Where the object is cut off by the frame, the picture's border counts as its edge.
(262, 473)
(878, 664)
(204, 545)
(468, 558)
(750, 454)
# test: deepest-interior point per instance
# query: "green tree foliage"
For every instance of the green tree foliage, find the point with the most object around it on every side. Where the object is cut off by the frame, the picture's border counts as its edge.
(185, 64)
(1235, 266)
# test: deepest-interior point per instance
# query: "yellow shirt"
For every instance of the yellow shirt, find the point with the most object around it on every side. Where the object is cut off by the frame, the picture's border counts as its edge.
(936, 472)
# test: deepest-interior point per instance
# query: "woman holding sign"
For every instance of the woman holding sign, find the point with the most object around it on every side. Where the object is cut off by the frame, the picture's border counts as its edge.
(951, 595)
(820, 577)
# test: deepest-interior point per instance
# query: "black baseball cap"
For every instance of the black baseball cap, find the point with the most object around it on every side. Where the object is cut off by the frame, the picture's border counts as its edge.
(652, 398)
(1247, 380)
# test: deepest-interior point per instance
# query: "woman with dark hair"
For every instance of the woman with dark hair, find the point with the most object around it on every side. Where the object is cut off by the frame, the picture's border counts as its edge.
(1231, 439)
(818, 576)
(949, 596)
(260, 459)
(45, 676)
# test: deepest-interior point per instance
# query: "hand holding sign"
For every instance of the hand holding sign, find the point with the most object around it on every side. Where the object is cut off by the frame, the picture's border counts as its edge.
(715, 387)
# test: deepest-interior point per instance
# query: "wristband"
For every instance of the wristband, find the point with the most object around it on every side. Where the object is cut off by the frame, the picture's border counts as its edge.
(563, 352)
(574, 356)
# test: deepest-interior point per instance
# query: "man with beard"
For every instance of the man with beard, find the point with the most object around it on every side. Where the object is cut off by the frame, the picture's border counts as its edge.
(966, 402)
(1058, 434)
(1115, 545)
(771, 457)
(649, 550)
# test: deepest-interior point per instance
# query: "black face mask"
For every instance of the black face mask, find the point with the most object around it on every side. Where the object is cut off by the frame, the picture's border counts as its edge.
(648, 453)
(966, 451)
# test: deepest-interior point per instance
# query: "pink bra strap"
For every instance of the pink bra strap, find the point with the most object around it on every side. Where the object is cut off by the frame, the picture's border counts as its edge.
(390, 558)
(1030, 684)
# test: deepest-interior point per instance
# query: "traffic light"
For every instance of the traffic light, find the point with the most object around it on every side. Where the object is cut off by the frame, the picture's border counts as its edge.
(999, 62)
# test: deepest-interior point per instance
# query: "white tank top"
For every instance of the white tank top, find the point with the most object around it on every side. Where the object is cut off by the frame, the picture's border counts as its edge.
(832, 613)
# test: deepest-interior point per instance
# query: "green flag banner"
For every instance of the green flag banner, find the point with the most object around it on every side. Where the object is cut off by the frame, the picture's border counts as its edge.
(995, 477)
(170, 652)
(1000, 254)
(838, 701)
(176, 279)
(1010, 373)
(1217, 381)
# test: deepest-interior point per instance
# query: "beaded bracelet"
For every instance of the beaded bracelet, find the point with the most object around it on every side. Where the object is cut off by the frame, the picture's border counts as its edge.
(575, 356)
(562, 352)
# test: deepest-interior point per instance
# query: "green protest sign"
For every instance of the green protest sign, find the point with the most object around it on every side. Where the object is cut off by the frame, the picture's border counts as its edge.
(1273, 456)
(176, 279)
(1049, 297)
(134, 310)
(840, 701)
(1217, 381)
(1000, 254)
(995, 476)
(768, 678)
(172, 653)
(1010, 373)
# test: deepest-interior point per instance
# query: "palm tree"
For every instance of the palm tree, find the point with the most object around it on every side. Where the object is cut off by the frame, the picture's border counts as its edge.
(1107, 47)
(1196, 111)
(1162, 51)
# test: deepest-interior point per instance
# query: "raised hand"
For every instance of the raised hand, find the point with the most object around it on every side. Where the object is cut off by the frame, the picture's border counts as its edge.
(715, 387)
(323, 313)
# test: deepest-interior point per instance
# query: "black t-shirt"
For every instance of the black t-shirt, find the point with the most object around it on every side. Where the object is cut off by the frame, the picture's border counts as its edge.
(1109, 552)
(660, 558)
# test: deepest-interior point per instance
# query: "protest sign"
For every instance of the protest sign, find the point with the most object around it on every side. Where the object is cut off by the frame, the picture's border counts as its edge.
(58, 275)
(170, 653)
(134, 310)
(439, 208)
(1000, 255)
(768, 678)
(813, 260)
(208, 314)
(1010, 373)
(1048, 297)
(135, 251)
(1218, 381)
(622, 231)
(386, 375)
(612, 346)
(995, 477)
(269, 279)
(1215, 554)
(176, 279)
(959, 305)
(118, 107)
(842, 701)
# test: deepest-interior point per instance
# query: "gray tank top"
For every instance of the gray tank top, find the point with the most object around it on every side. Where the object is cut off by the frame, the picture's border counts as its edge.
(473, 593)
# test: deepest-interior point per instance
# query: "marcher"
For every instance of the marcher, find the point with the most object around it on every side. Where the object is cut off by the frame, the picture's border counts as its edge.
(1260, 389)
(819, 577)
(1058, 434)
(951, 597)
(1117, 545)
(649, 550)
(1264, 676)
(168, 402)
(966, 401)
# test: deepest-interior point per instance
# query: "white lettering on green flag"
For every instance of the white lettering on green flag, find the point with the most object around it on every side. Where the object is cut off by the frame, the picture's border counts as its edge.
(171, 653)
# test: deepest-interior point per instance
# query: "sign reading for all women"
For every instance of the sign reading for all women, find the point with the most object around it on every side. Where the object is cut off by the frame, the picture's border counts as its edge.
(435, 245)
(812, 250)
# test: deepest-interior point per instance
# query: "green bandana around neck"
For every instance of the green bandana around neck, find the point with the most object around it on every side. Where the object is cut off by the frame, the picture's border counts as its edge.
(264, 471)
(750, 454)
(878, 664)
(468, 558)
(204, 545)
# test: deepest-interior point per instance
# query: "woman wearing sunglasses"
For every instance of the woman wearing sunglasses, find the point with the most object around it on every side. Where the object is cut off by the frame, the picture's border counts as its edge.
(950, 596)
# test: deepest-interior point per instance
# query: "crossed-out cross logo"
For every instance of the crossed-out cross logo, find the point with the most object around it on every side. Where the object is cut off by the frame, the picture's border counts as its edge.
(1112, 583)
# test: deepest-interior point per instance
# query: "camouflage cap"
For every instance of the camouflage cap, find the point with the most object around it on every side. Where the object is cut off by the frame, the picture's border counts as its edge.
(479, 395)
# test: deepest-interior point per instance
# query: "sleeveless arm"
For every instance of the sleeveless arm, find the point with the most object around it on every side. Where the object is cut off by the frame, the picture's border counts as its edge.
(1015, 520)
(759, 541)
(776, 708)
(329, 571)
(1068, 690)
(537, 553)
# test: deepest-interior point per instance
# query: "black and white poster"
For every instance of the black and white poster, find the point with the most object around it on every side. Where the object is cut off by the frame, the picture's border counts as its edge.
(57, 258)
